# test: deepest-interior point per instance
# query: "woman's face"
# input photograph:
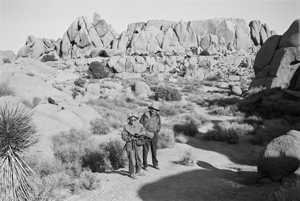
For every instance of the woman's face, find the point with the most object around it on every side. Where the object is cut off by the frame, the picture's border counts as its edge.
(132, 120)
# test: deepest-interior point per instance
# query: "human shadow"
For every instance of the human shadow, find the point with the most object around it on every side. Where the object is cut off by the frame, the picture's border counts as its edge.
(207, 183)
(120, 172)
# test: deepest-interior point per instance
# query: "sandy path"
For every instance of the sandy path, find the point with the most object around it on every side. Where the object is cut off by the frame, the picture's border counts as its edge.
(220, 172)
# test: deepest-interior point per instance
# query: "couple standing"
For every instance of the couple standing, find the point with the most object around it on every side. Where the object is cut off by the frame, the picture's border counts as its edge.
(140, 137)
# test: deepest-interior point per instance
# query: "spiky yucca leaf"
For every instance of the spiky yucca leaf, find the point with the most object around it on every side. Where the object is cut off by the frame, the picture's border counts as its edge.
(17, 133)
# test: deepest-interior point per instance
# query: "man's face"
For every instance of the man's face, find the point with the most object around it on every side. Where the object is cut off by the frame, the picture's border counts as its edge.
(153, 111)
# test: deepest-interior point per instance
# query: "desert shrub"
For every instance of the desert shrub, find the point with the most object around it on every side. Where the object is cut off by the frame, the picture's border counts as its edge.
(69, 146)
(6, 60)
(271, 129)
(96, 160)
(114, 148)
(169, 110)
(287, 192)
(89, 180)
(98, 70)
(100, 126)
(48, 57)
(223, 132)
(80, 82)
(166, 139)
(18, 133)
(166, 93)
(189, 129)
(187, 159)
(181, 138)
(5, 90)
(225, 111)
(196, 118)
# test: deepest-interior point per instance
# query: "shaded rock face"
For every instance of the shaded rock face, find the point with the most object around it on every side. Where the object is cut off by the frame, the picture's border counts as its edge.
(277, 62)
(281, 157)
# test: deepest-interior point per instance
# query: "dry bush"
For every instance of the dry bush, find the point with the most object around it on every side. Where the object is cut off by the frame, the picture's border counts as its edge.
(223, 132)
(98, 70)
(188, 158)
(168, 109)
(181, 138)
(166, 139)
(166, 93)
(48, 57)
(96, 159)
(288, 192)
(116, 156)
(100, 126)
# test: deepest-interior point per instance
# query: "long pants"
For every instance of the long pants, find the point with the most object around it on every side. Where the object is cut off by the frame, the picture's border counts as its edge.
(153, 145)
(134, 155)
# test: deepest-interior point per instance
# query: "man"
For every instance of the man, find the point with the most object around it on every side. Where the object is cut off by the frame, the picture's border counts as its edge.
(152, 123)
(131, 134)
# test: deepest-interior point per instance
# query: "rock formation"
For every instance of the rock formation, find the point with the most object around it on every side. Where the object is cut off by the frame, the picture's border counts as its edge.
(91, 39)
(277, 61)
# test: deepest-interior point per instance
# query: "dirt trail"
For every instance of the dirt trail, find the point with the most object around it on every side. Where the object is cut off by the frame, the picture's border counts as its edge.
(221, 172)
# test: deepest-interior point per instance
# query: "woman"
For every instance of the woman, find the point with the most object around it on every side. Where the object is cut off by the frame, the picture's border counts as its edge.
(132, 134)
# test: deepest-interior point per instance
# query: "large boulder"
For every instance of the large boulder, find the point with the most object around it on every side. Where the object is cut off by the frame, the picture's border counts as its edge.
(281, 157)
(265, 54)
(142, 87)
(291, 38)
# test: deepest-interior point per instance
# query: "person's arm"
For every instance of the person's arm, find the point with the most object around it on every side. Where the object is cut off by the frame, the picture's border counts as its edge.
(144, 119)
(159, 122)
(125, 135)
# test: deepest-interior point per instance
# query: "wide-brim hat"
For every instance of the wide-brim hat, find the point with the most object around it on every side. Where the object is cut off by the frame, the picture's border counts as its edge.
(154, 106)
(132, 115)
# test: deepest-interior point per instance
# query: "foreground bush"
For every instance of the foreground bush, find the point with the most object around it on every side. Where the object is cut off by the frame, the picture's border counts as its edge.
(166, 93)
(17, 134)
(166, 139)
(287, 192)
(115, 151)
(223, 132)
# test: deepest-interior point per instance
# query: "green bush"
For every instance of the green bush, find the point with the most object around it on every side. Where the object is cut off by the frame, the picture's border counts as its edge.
(80, 82)
(166, 93)
(166, 139)
(98, 70)
(223, 132)
(48, 57)
(115, 153)
(287, 192)
(100, 126)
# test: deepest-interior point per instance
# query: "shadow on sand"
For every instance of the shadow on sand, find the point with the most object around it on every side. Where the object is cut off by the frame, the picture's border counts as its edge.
(207, 183)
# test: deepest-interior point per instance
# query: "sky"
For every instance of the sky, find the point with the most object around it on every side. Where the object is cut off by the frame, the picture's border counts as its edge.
(51, 18)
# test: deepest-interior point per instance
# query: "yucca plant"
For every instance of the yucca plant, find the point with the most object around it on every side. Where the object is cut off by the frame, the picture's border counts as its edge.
(17, 134)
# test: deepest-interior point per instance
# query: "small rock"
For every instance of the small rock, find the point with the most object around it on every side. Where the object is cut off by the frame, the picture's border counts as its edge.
(236, 90)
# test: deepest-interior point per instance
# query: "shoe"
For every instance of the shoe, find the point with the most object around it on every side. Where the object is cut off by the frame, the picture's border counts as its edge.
(140, 174)
(132, 176)
(156, 167)
(145, 168)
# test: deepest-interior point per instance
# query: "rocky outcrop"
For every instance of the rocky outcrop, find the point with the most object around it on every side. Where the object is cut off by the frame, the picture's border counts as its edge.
(277, 62)
(281, 157)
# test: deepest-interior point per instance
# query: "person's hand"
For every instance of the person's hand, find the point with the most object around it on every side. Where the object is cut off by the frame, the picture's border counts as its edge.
(137, 135)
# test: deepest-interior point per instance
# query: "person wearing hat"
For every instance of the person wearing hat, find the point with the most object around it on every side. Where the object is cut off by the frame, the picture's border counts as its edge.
(132, 134)
(152, 123)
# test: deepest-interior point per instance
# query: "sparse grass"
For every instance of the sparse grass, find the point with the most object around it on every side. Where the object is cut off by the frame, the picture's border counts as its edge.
(287, 192)
(166, 139)
(188, 158)
(100, 126)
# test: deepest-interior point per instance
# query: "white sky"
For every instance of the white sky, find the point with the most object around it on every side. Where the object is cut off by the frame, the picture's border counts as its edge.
(51, 18)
